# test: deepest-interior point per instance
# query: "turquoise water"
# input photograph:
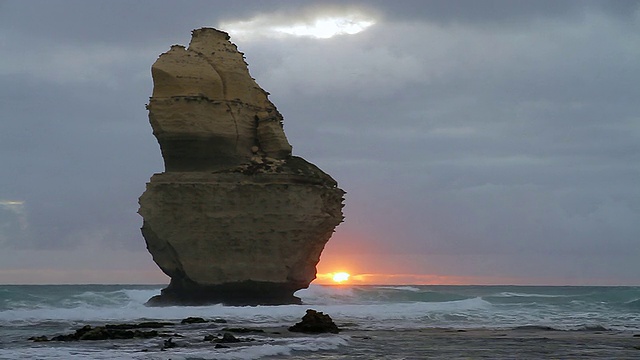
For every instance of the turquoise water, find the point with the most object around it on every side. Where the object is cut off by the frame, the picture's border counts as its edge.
(49, 310)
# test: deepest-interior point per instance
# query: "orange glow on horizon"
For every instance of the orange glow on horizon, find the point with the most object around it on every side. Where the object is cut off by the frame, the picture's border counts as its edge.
(412, 279)
(363, 255)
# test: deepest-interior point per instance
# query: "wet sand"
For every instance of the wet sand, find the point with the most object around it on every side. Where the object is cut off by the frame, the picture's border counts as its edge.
(535, 343)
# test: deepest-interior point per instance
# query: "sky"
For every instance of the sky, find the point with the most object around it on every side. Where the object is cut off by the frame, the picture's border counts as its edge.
(479, 142)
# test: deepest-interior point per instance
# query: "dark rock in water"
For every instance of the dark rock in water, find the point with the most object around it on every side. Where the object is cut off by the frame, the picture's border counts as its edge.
(75, 336)
(220, 346)
(235, 218)
(142, 325)
(169, 344)
(245, 293)
(209, 338)
(101, 333)
(107, 332)
(315, 322)
(39, 338)
(227, 338)
(535, 328)
(193, 320)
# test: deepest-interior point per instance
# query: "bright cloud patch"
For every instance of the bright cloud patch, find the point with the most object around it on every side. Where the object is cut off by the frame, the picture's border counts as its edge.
(324, 28)
(320, 26)
(11, 203)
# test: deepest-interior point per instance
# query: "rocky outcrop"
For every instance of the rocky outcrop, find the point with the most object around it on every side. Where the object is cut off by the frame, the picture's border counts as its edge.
(235, 218)
(109, 332)
(315, 322)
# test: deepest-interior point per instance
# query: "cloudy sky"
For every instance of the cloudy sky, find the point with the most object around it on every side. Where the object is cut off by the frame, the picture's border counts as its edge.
(478, 141)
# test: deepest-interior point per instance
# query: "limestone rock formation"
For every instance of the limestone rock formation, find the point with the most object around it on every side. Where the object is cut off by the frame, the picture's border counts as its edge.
(235, 218)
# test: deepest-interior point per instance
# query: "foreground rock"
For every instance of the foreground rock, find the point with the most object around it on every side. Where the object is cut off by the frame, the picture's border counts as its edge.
(315, 322)
(235, 218)
(108, 332)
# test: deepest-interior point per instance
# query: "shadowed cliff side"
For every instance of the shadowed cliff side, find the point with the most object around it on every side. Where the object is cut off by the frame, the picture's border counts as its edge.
(235, 218)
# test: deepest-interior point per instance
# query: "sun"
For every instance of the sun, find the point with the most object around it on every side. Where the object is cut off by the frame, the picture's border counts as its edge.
(340, 277)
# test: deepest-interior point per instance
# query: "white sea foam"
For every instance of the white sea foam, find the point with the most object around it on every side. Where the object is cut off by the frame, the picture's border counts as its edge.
(327, 295)
(514, 294)
(50, 311)
(403, 288)
(281, 347)
(128, 306)
(358, 307)
(372, 316)
(276, 347)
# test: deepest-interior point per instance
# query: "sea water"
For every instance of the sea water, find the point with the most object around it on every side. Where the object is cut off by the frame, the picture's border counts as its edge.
(389, 315)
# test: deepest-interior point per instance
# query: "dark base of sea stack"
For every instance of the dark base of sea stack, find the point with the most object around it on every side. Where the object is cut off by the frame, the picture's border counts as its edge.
(246, 293)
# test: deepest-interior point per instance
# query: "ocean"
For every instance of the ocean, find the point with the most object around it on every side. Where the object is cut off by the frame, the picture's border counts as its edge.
(377, 322)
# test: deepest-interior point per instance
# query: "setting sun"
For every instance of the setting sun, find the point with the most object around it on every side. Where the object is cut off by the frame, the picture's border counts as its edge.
(340, 277)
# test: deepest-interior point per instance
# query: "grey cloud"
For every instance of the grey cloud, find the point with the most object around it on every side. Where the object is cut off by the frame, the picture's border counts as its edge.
(479, 136)
(542, 161)
(510, 13)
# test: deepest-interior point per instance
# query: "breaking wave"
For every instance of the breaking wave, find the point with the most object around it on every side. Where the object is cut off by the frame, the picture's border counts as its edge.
(367, 307)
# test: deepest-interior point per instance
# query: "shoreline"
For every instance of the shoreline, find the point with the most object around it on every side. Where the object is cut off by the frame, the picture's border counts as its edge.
(531, 342)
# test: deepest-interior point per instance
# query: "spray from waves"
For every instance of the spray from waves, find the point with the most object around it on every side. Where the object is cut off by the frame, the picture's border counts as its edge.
(596, 298)
(51, 311)
(521, 295)
(402, 288)
(482, 306)
(71, 296)
(80, 302)
(325, 295)
(109, 304)
(391, 308)
(279, 347)
(407, 315)
(368, 307)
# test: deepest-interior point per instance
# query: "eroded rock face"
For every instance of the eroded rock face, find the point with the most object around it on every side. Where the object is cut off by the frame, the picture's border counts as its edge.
(235, 218)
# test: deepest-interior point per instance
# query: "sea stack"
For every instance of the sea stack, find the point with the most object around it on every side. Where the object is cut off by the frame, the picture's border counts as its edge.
(234, 218)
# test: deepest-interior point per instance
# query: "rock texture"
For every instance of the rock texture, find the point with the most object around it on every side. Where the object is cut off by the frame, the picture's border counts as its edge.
(315, 322)
(235, 218)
